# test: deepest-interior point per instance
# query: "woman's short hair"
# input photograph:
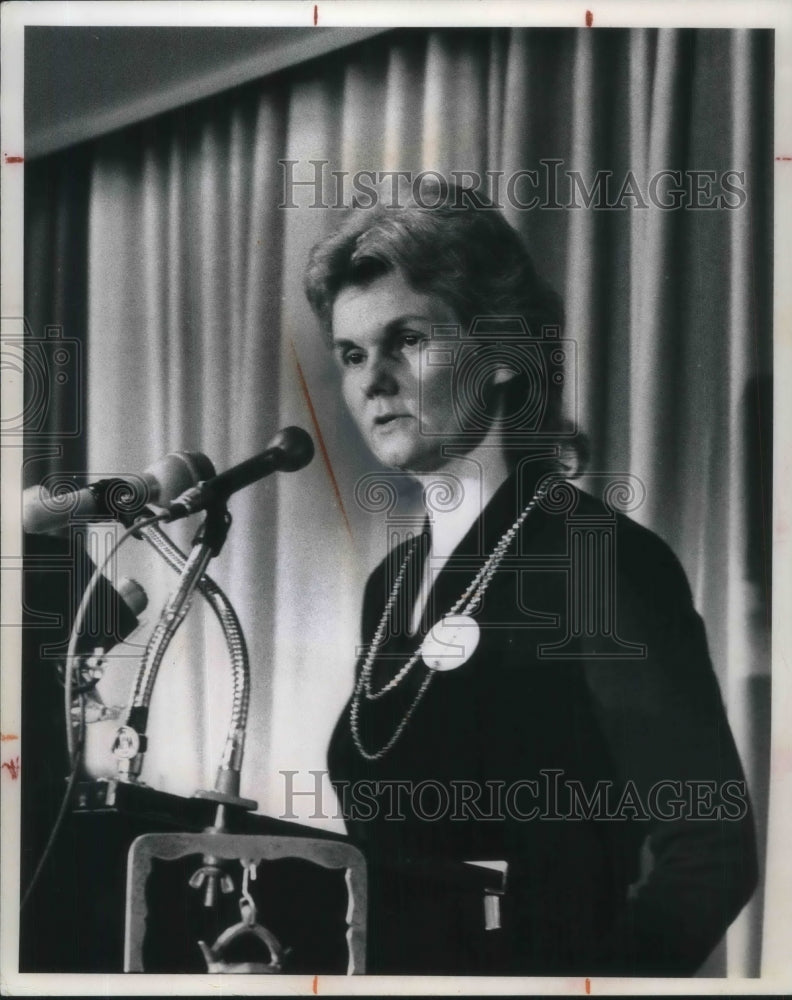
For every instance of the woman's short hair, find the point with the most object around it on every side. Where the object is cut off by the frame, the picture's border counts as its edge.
(451, 245)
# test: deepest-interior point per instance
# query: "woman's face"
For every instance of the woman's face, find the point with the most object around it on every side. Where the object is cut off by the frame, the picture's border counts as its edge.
(402, 404)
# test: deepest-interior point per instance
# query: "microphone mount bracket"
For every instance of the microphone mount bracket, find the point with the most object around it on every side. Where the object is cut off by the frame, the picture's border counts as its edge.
(214, 528)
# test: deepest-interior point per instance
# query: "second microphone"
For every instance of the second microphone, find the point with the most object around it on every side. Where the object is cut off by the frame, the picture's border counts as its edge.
(290, 450)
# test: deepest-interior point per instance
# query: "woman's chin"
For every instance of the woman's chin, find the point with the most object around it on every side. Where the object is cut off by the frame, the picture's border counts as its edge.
(401, 455)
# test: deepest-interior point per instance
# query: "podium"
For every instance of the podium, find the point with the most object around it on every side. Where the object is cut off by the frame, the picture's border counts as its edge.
(75, 918)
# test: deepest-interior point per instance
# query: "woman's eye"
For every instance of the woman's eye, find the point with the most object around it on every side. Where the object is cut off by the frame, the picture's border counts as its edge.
(353, 358)
(411, 339)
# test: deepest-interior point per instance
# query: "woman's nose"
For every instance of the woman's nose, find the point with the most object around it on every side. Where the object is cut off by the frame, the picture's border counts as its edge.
(381, 378)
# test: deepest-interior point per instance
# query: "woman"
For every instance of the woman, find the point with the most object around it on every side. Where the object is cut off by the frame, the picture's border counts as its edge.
(535, 704)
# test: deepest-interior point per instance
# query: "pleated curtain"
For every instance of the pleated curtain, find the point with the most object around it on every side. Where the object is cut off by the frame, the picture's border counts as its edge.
(198, 337)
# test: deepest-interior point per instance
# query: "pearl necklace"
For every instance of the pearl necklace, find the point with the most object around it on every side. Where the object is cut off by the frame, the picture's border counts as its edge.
(462, 609)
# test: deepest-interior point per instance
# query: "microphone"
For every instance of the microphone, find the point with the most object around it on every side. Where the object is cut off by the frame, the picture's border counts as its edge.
(113, 614)
(133, 595)
(44, 512)
(291, 449)
(116, 612)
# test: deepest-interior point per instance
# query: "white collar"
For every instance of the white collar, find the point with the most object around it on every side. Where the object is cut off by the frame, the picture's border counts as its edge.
(455, 497)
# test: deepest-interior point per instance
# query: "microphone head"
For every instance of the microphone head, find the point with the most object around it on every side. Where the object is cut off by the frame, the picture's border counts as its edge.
(133, 595)
(296, 447)
(49, 511)
(170, 476)
(46, 511)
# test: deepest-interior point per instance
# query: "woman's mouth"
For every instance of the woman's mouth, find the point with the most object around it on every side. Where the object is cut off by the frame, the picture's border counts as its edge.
(388, 419)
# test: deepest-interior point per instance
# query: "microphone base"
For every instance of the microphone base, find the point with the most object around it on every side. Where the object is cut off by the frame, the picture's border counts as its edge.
(226, 800)
(155, 810)
(104, 795)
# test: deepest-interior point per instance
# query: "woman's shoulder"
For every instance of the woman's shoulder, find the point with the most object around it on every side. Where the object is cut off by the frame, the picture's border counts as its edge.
(638, 552)
(647, 590)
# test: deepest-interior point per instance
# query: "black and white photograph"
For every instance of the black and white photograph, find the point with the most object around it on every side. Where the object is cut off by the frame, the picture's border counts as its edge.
(395, 533)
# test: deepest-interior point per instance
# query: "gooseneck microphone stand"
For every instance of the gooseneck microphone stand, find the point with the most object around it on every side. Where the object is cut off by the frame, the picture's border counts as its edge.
(207, 543)
(227, 782)
(131, 741)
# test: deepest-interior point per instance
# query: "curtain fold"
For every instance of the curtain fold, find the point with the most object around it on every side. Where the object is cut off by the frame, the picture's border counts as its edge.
(199, 336)
(56, 256)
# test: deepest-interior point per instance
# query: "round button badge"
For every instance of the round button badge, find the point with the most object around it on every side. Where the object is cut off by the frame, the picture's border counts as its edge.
(450, 642)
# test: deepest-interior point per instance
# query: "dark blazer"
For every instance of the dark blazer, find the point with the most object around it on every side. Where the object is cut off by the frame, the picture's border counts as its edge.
(583, 743)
